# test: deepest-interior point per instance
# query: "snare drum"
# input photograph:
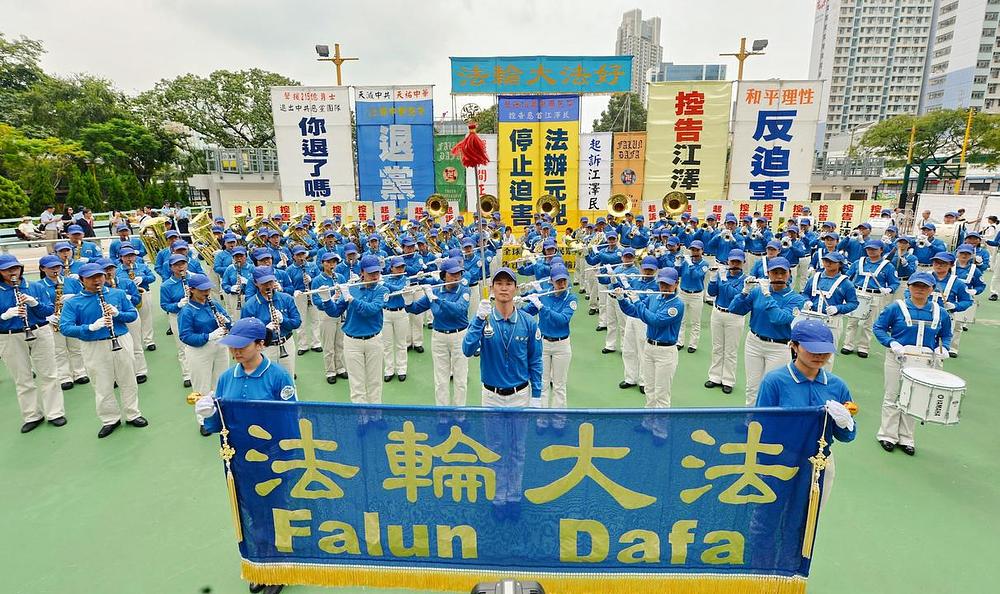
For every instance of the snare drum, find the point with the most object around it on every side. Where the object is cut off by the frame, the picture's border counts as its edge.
(864, 308)
(931, 395)
(967, 317)
(808, 314)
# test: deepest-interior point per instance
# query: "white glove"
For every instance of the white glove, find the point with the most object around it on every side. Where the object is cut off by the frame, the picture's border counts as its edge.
(765, 289)
(278, 317)
(593, 249)
(810, 271)
(296, 293)
(941, 351)
(632, 296)
(52, 319)
(325, 292)
(429, 293)
(608, 269)
(272, 327)
(536, 286)
(10, 313)
(978, 260)
(949, 305)
(841, 416)
(235, 289)
(748, 284)
(204, 407)
(970, 291)
(98, 324)
(807, 306)
(277, 286)
(885, 290)
(518, 301)
(831, 310)
(618, 293)
(345, 292)
(535, 403)
(897, 348)
(182, 302)
(112, 310)
(83, 260)
(534, 300)
(483, 309)
(217, 334)
(29, 300)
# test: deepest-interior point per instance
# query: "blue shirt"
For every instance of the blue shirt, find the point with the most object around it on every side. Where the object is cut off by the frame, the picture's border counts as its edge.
(771, 315)
(267, 382)
(364, 311)
(951, 289)
(171, 292)
(972, 276)
(512, 356)
(324, 280)
(556, 312)
(450, 309)
(924, 254)
(870, 276)
(725, 287)
(232, 275)
(116, 246)
(81, 311)
(786, 387)
(817, 290)
(144, 277)
(692, 274)
(222, 260)
(257, 307)
(891, 325)
(36, 313)
(196, 321)
(662, 314)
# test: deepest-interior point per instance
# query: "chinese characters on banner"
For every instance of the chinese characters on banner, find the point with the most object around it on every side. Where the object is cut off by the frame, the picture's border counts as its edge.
(599, 500)
(538, 144)
(487, 174)
(628, 164)
(688, 134)
(595, 170)
(541, 75)
(773, 139)
(395, 143)
(312, 132)
(449, 173)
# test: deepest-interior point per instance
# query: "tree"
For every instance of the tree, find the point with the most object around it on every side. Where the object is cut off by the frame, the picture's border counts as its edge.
(13, 200)
(39, 187)
(625, 113)
(486, 121)
(127, 145)
(133, 189)
(229, 109)
(78, 194)
(62, 107)
(153, 195)
(115, 197)
(938, 134)
(21, 157)
(19, 70)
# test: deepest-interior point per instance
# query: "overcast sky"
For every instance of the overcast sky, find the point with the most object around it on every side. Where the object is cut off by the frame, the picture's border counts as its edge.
(136, 43)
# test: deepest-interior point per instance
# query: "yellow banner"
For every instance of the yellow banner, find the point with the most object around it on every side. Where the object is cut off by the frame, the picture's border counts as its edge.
(236, 209)
(628, 164)
(538, 153)
(687, 139)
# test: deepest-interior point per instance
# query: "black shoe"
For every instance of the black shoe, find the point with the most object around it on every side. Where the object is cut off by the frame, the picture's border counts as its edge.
(140, 379)
(625, 385)
(863, 354)
(642, 390)
(300, 352)
(680, 347)
(317, 349)
(965, 328)
(170, 331)
(418, 349)
(139, 422)
(342, 375)
(151, 347)
(204, 432)
(331, 379)
(994, 297)
(402, 377)
(187, 383)
(388, 378)
(692, 349)
(607, 350)
(272, 589)
(908, 450)
(887, 445)
(409, 347)
(710, 384)
(31, 425)
(601, 328)
(953, 355)
(846, 351)
(256, 587)
(67, 386)
(727, 389)
(58, 421)
(82, 380)
(108, 429)
(592, 312)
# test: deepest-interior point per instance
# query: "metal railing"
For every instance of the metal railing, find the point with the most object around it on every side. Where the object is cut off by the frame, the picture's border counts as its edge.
(848, 166)
(241, 161)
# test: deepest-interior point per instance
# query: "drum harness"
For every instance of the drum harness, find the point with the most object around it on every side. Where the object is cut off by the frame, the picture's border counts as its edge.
(921, 324)
(825, 295)
(870, 275)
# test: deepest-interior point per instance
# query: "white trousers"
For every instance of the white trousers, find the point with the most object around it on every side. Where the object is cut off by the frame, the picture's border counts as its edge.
(693, 304)
(307, 334)
(181, 353)
(603, 301)
(858, 334)
(416, 336)
(363, 359)
(727, 328)
(800, 273)
(208, 362)
(760, 357)
(332, 337)
(274, 354)
(615, 322)
(450, 363)
(837, 331)
(506, 436)
(556, 357)
(105, 368)
(69, 360)
(897, 426)
(956, 325)
(395, 333)
(662, 363)
(21, 357)
(634, 352)
(995, 281)
(146, 312)
(135, 329)
(232, 303)
(592, 288)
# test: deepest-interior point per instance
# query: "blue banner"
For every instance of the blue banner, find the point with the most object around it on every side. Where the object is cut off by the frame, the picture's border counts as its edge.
(419, 497)
(395, 143)
(541, 74)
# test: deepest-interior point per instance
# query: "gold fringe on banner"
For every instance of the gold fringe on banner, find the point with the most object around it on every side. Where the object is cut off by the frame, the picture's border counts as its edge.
(812, 512)
(556, 583)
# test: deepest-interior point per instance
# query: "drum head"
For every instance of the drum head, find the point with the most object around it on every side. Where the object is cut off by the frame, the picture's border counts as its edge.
(934, 377)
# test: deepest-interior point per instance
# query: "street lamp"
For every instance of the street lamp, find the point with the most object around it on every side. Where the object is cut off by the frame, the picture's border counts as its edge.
(756, 49)
(323, 51)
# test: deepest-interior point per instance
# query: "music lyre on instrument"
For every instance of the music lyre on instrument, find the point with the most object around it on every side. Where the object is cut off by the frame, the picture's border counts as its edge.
(115, 345)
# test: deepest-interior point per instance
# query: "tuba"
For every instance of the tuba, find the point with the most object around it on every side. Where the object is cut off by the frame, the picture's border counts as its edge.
(674, 203)
(203, 239)
(488, 204)
(618, 205)
(436, 205)
(153, 234)
(547, 204)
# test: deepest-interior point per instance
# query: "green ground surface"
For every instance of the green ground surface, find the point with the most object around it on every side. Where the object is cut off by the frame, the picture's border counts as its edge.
(146, 510)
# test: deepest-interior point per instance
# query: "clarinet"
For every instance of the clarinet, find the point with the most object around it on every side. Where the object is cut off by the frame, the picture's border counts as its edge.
(115, 345)
(307, 284)
(239, 283)
(28, 333)
(220, 319)
(279, 339)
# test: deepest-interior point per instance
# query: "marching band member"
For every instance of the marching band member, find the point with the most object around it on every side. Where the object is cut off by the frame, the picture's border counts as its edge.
(760, 267)
(83, 251)
(223, 260)
(875, 277)
(727, 239)
(692, 271)
(27, 347)
(831, 292)
(927, 246)
(905, 262)
(263, 258)
(116, 279)
(278, 312)
(174, 295)
(970, 274)
(634, 335)
(727, 327)
(161, 264)
(280, 256)
(755, 243)
(554, 312)
(450, 304)
(136, 270)
(949, 291)
(414, 265)
(300, 273)
(124, 239)
(827, 244)
(201, 323)
(64, 251)
(771, 306)
(330, 331)
(611, 254)
(363, 352)
(917, 322)
(181, 247)
(616, 319)
(236, 282)
(98, 317)
(396, 326)
(58, 288)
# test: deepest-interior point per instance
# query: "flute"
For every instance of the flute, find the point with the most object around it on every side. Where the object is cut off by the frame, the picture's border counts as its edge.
(421, 287)
(115, 345)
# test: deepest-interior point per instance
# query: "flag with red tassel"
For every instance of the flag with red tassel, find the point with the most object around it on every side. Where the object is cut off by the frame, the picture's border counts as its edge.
(471, 149)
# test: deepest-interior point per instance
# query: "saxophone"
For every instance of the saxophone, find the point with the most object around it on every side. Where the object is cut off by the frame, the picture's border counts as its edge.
(131, 277)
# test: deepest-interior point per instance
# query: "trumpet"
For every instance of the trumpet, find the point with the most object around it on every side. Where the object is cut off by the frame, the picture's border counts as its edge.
(727, 235)
(923, 242)
(786, 242)
(855, 234)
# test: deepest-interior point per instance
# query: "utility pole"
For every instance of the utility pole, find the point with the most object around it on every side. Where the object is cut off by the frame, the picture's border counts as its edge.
(741, 56)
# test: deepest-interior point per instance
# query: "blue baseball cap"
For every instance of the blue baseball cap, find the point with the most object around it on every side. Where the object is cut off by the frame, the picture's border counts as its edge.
(929, 226)
(829, 224)
(834, 257)
(298, 250)
(175, 259)
(892, 228)
(8, 261)
(466, 242)
(239, 250)
(729, 218)
(262, 254)
(331, 255)
(908, 240)
(736, 255)
(966, 248)
(814, 336)
(180, 244)
(696, 245)
(505, 271)
(975, 234)
(779, 262)
(610, 235)
(408, 241)
(263, 274)
(925, 278)
(106, 263)
(549, 243)
(650, 263)
(200, 282)
(90, 269)
(667, 275)
(829, 235)
(369, 263)
(874, 244)
(75, 230)
(944, 257)
(559, 272)
(640, 218)
(350, 249)
(452, 266)
(710, 217)
(775, 245)
(121, 227)
(673, 240)
(864, 226)
(396, 261)
(628, 252)
(49, 261)
(62, 245)
(243, 332)
(172, 233)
